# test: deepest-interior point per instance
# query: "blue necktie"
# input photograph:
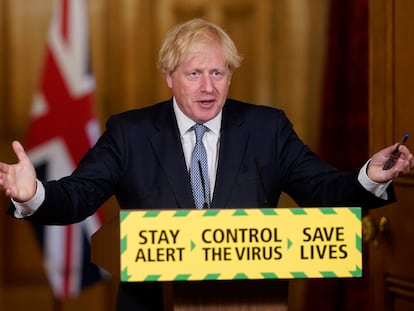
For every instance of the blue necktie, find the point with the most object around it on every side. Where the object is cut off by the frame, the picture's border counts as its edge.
(199, 170)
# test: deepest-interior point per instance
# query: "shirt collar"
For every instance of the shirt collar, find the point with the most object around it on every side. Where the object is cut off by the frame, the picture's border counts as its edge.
(185, 123)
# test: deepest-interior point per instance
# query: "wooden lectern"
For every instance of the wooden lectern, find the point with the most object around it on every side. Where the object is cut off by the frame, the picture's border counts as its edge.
(252, 295)
(230, 259)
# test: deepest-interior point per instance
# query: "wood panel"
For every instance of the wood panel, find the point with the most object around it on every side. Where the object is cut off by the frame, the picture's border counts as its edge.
(391, 85)
(251, 81)
(3, 73)
(27, 25)
(403, 68)
(297, 61)
(3, 99)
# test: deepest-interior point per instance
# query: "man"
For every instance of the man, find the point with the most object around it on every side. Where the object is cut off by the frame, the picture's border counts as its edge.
(246, 155)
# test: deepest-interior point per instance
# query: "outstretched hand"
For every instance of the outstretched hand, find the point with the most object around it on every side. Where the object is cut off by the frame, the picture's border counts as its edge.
(403, 164)
(18, 180)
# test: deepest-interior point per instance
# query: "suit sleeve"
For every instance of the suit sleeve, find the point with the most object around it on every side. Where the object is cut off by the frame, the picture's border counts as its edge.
(311, 181)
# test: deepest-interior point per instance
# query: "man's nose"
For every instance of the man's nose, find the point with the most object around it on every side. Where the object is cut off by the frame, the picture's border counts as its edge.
(207, 84)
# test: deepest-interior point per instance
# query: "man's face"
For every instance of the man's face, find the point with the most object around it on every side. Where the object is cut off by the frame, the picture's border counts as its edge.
(201, 82)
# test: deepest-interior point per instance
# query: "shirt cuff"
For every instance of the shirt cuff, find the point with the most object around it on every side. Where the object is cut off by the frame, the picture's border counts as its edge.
(377, 189)
(25, 209)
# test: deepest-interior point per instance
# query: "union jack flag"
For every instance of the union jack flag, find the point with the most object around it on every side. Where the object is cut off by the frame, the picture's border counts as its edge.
(62, 129)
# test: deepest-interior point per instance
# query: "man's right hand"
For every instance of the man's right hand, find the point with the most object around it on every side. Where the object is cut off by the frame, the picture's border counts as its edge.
(18, 181)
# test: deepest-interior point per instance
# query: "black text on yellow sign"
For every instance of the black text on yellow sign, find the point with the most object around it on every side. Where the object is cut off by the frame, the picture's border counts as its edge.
(229, 244)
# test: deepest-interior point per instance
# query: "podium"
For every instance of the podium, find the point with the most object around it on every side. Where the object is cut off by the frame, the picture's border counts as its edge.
(229, 259)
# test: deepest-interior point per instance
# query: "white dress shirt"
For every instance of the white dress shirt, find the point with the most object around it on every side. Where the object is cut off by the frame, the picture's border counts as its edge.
(211, 141)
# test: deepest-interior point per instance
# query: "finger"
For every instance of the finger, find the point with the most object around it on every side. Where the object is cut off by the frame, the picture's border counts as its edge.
(8, 193)
(391, 148)
(404, 150)
(3, 179)
(19, 151)
(409, 162)
(405, 154)
(3, 168)
(404, 164)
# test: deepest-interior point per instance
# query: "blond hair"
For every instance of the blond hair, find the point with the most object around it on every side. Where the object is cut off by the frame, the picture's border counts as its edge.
(183, 38)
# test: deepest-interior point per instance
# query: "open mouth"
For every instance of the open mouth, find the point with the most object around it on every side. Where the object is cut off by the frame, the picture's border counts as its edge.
(206, 102)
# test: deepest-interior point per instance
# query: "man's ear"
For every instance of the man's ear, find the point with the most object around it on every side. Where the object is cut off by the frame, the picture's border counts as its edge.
(169, 79)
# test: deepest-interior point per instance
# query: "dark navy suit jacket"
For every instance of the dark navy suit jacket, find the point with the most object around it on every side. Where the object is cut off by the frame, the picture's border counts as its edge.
(139, 159)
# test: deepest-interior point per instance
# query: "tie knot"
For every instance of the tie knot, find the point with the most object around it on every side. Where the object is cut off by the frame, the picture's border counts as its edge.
(199, 130)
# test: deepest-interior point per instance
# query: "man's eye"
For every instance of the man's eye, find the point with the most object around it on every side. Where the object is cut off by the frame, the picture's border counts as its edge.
(217, 74)
(192, 75)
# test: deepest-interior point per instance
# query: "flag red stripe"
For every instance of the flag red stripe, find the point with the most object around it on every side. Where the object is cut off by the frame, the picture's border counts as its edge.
(67, 115)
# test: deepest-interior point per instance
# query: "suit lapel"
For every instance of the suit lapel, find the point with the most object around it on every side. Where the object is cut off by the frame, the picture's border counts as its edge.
(233, 144)
(168, 149)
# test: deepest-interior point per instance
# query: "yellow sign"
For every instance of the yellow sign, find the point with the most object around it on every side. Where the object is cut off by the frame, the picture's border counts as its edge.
(228, 244)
